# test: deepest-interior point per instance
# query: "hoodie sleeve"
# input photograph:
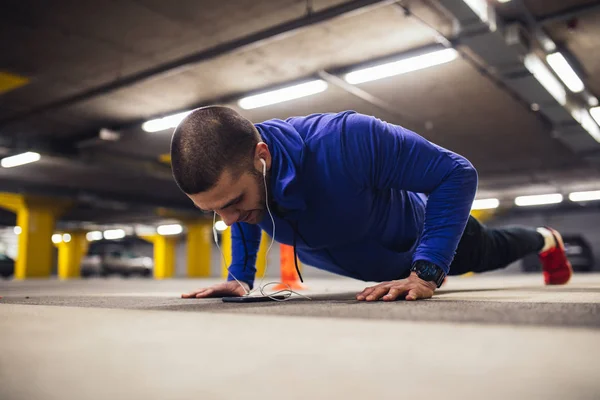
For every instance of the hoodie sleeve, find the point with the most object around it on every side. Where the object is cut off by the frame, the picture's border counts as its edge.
(380, 155)
(245, 242)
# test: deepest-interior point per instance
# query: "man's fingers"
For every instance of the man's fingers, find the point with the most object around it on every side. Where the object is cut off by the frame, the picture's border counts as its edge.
(363, 295)
(412, 295)
(366, 291)
(415, 294)
(393, 294)
(377, 293)
(204, 293)
(192, 295)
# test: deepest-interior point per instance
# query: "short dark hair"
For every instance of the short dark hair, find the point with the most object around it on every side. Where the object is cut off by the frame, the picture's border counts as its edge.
(206, 142)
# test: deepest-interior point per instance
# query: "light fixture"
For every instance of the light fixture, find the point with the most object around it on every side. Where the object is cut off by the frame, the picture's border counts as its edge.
(282, 95)
(503, 1)
(57, 238)
(595, 113)
(66, 238)
(113, 234)
(94, 235)
(543, 75)
(584, 118)
(585, 196)
(565, 72)
(220, 226)
(160, 124)
(485, 204)
(401, 66)
(20, 159)
(592, 101)
(17, 229)
(174, 229)
(538, 200)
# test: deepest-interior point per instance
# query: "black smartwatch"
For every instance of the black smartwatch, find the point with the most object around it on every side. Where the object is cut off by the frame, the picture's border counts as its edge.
(429, 272)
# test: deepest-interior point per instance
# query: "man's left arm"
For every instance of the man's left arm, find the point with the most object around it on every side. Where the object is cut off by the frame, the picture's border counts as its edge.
(380, 155)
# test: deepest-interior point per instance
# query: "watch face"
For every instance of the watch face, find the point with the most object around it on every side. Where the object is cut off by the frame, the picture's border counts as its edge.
(428, 271)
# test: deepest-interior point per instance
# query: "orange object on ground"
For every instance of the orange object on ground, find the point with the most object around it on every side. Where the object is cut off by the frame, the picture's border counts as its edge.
(289, 276)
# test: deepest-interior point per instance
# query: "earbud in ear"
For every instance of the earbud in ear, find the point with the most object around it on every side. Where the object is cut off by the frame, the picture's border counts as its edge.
(264, 163)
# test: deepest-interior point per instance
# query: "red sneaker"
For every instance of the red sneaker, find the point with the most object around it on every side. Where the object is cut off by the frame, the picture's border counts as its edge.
(555, 265)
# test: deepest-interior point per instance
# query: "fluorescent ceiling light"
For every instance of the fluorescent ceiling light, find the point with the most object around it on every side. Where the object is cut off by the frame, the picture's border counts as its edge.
(160, 124)
(174, 229)
(592, 101)
(584, 118)
(66, 238)
(503, 1)
(565, 72)
(56, 238)
(546, 78)
(17, 229)
(485, 204)
(585, 196)
(401, 66)
(20, 159)
(113, 234)
(94, 235)
(595, 112)
(281, 95)
(536, 200)
(220, 226)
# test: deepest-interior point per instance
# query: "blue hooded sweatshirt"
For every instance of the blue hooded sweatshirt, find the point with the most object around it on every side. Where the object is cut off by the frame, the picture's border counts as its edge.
(358, 197)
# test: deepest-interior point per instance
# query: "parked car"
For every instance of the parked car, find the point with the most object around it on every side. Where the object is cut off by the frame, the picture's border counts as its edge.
(579, 252)
(7, 266)
(116, 262)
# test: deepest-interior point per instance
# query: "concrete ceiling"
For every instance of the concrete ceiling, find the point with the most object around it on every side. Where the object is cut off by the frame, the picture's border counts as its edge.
(71, 50)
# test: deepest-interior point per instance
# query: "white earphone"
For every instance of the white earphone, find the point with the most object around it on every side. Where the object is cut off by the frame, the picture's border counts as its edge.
(264, 163)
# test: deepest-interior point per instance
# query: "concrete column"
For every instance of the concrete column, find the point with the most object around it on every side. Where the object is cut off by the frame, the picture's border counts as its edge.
(227, 252)
(261, 257)
(164, 256)
(199, 247)
(36, 216)
(70, 254)
(483, 215)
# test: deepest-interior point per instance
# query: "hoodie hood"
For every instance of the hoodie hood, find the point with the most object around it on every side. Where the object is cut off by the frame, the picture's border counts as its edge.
(287, 150)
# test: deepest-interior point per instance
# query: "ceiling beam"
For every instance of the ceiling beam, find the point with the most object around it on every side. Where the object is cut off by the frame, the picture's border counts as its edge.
(569, 13)
(191, 60)
(98, 198)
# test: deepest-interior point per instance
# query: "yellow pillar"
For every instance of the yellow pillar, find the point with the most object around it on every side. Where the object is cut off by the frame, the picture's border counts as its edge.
(199, 239)
(226, 249)
(36, 216)
(164, 256)
(70, 254)
(483, 215)
(261, 257)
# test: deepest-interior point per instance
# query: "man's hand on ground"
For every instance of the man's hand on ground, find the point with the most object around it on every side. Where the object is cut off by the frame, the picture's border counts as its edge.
(412, 288)
(225, 289)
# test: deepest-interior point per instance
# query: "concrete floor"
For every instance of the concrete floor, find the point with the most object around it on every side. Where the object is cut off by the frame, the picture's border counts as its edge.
(482, 337)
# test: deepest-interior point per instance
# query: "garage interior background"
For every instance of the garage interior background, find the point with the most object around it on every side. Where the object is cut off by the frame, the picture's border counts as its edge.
(512, 86)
